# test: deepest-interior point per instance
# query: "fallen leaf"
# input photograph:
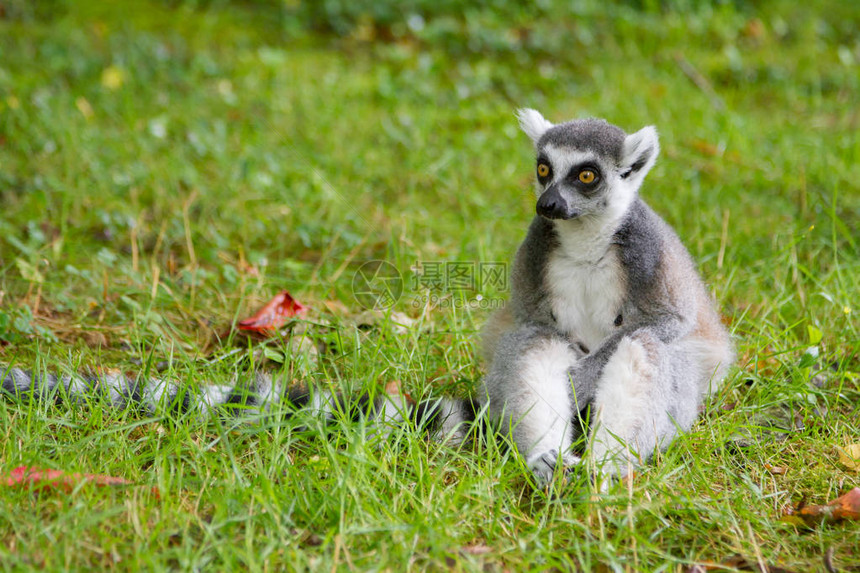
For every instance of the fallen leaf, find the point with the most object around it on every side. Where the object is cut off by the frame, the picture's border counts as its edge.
(476, 549)
(395, 388)
(792, 519)
(399, 322)
(274, 315)
(738, 563)
(336, 307)
(844, 507)
(29, 272)
(775, 470)
(706, 148)
(84, 107)
(38, 479)
(94, 338)
(849, 456)
(815, 334)
(754, 29)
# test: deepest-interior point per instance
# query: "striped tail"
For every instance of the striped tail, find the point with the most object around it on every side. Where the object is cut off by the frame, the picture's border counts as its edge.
(446, 418)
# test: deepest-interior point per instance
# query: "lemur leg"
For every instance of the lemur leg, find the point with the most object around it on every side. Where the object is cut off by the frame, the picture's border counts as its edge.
(530, 395)
(646, 393)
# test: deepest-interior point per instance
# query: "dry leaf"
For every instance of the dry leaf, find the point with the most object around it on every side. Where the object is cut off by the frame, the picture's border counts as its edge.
(841, 508)
(274, 315)
(849, 456)
(336, 307)
(84, 107)
(479, 549)
(738, 563)
(775, 470)
(399, 321)
(754, 29)
(395, 388)
(706, 148)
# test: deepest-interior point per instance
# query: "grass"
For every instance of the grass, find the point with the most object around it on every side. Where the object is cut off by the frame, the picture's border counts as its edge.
(167, 167)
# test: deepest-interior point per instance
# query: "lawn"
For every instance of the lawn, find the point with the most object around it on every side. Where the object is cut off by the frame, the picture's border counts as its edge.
(168, 166)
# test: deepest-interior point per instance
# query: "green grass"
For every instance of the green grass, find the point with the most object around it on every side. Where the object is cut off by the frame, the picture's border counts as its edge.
(167, 167)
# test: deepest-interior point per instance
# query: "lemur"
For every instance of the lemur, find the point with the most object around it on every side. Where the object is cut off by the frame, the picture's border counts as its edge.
(606, 310)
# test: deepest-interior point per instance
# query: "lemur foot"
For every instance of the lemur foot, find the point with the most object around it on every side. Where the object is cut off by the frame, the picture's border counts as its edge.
(603, 482)
(544, 465)
(610, 475)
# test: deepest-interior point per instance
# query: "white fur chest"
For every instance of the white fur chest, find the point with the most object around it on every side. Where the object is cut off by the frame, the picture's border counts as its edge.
(586, 288)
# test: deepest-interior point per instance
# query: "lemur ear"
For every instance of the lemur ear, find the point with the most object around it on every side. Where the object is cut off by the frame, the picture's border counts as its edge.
(640, 153)
(532, 123)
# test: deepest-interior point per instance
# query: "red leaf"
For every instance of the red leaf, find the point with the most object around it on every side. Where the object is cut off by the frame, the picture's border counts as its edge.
(394, 388)
(274, 315)
(843, 507)
(56, 479)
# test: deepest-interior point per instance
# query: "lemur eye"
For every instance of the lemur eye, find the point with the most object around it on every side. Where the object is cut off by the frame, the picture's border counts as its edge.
(543, 170)
(587, 176)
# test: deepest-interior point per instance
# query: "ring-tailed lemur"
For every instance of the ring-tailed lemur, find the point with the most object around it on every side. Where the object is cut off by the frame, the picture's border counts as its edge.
(607, 311)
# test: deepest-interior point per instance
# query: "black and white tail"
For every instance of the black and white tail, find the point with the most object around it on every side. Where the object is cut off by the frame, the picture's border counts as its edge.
(445, 418)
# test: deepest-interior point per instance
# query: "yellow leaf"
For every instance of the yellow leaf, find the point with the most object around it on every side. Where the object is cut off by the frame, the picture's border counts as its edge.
(29, 272)
(793, 519)
(849, 456)
(84, 107)
(815, 335)
(113, 77)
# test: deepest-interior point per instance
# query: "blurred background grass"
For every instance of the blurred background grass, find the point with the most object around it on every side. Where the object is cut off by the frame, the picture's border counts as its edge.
(279, 132)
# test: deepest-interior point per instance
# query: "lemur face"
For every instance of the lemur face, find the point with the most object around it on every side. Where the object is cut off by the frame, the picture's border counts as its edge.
(585, 167)
(572, 183)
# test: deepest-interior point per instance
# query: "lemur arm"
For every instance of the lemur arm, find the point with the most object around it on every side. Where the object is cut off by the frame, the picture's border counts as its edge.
(665, 326)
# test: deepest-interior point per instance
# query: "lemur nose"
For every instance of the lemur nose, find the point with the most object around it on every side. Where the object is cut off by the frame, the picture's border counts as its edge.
(553, 206)
(549, 209)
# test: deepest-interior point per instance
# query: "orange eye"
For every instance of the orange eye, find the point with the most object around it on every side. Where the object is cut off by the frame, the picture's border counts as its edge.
(543, 170)
(587, 176)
